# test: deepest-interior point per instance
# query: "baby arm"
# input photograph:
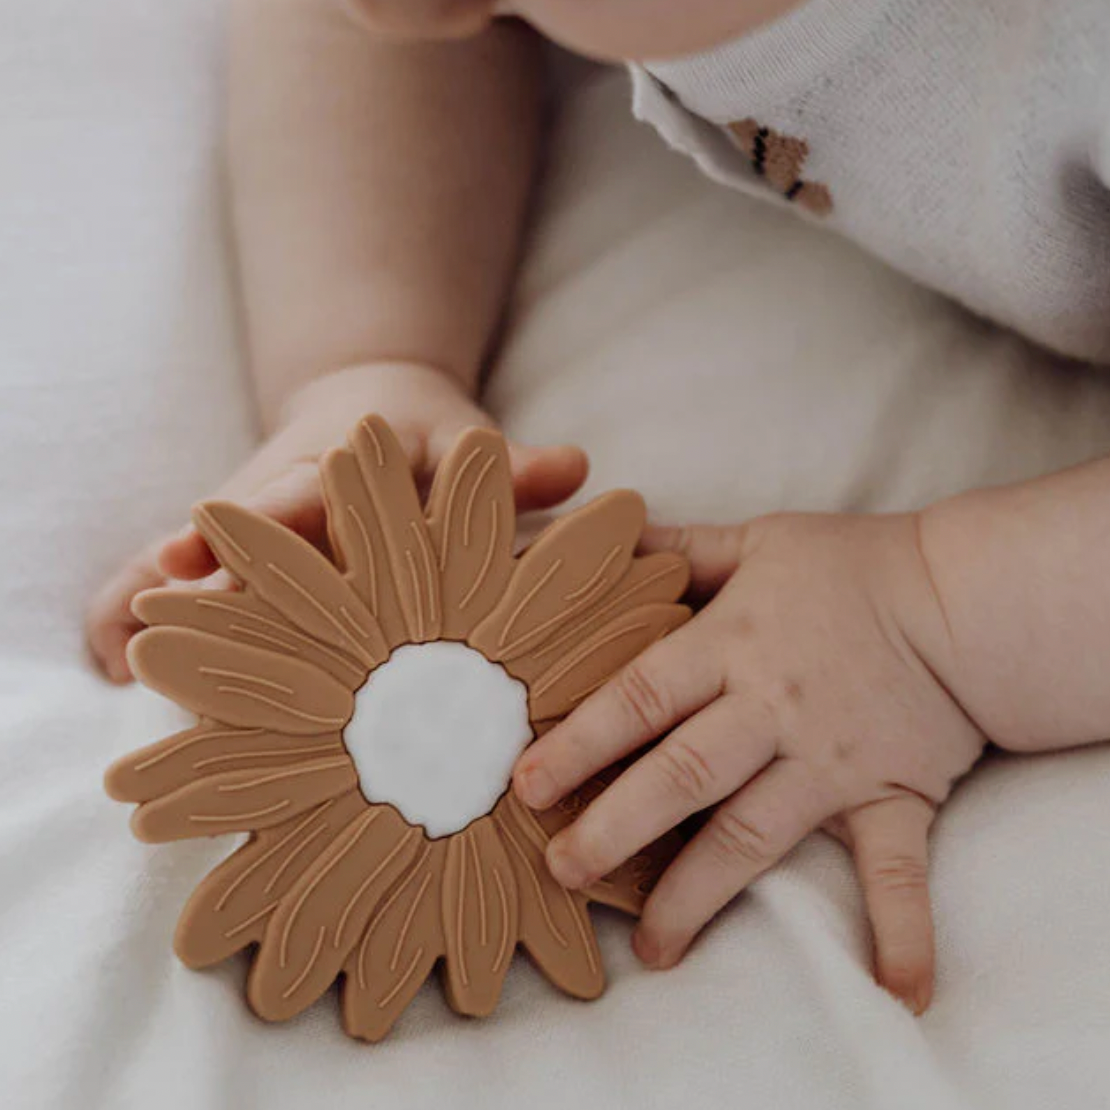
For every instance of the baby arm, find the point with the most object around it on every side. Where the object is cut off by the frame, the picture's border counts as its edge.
(379, 190)
(847, 672)
(1023, 573)
(379, 195)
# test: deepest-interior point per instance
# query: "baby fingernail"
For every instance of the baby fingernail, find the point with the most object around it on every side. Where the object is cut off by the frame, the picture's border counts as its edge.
(182, 534)
(921, 999)
(646, 948)
(118, 671)
(535, 787)
(565, 869)
(658, 954)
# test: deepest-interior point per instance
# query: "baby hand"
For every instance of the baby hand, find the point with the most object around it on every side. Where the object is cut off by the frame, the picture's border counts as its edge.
(426, 409)
(805, 694)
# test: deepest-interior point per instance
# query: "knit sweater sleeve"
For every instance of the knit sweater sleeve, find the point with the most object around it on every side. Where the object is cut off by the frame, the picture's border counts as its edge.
(965, 144)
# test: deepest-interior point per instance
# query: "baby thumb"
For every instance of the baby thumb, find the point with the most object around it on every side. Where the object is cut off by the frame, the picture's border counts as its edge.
(293, 498)
(545, 476)
(714, 551)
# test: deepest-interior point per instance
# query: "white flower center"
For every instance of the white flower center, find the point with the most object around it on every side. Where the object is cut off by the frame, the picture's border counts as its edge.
(435, 732)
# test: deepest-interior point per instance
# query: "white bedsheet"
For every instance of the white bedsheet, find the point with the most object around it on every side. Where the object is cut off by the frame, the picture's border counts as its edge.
(719, 356)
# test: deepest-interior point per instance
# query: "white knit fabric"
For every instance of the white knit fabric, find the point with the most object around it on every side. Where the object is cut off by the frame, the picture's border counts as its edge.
(965, 142)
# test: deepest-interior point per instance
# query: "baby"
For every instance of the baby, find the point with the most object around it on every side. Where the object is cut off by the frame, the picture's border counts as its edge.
(845, 670)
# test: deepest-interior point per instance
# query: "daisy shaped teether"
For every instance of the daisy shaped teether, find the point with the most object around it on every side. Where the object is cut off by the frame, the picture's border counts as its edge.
(360, 719)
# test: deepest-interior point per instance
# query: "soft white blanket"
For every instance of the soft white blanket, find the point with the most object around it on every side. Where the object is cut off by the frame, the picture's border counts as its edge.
(721, 357)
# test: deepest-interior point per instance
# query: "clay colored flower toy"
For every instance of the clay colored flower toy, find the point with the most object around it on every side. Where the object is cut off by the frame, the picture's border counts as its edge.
(359, 719)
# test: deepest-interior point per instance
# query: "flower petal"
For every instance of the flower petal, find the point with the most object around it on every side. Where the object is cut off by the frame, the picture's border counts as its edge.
(358, 541)
(206, 750)
(480, 916)
(397, 950)
(472, 522)
(244, 617)
(555, 924)
(240, 685)
(573, 563)
(584, 668)
(322, 917)
(243, 801)
(289, 573)
(628, 886)
(652, 578)
(388, 478)
(230, 908)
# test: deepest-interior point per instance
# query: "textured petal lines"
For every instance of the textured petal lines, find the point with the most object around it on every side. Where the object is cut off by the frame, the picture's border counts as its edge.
(328, 884)
(388, 478)
(555, 924)
(320, 920)
(358, 540)
(397, 950)
(472, 523)
(480, 916)
(596, 659)
(207, 750)
(571, 566)
(628, 886)
(244, 618)
(289, 573)
(243, 801)
(230, 908)
(654, 578)
(239, 685)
